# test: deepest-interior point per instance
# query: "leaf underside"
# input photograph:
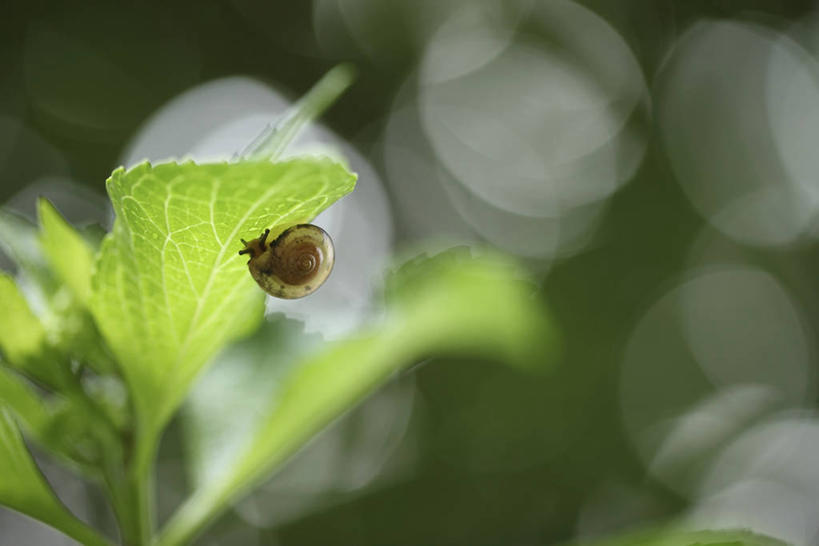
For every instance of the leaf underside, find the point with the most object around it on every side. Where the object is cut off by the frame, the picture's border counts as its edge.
(170, 289)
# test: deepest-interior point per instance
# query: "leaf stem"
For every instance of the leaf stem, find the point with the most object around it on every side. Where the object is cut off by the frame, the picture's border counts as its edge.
(141, 482)
(194, 514)
(131, 489)
(275, 138)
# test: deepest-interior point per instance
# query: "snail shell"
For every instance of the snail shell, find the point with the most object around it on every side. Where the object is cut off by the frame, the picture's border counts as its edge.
(293, 265)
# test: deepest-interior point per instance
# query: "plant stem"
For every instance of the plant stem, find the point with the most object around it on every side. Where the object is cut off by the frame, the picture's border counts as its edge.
(121, 502)
(141, 482)
(132, 489)
(270, 144)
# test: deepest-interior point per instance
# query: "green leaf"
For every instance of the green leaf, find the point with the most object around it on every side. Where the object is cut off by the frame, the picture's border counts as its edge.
(170, 289)
(64, 425)
(19, 240)
(450, 304)
(223, 409)
(22, 336)
(24, 489)
(39, 420)
(70, 328)
(23, 339)
(455, 302)
(67, 252)
(55, 274)
(697, 538)
(24, 402)
(273, 141)
(73, 334)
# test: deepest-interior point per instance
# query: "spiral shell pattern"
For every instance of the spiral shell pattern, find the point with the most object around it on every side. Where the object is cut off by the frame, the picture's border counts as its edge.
(295, 264)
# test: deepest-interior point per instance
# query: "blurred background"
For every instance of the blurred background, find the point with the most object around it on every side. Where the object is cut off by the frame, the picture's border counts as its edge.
(654, 163)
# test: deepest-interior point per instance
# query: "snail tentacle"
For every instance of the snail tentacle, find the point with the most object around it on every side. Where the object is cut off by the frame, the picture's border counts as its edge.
(294, 264)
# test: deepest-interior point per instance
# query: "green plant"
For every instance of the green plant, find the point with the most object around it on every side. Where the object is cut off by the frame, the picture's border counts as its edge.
(670, 537)
(102, 341)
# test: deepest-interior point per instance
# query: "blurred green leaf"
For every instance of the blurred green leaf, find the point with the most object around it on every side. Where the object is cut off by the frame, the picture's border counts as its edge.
(19, 240)
(24, 402)
(273, 142)
(51, 260)
(68, 426)
(22, 336)
(72, 333)
(448, 304)
(24, 340)
(24, 489)
(67, 252)
(466, 300)
(226, 406)
(698, 538)
(170, 289)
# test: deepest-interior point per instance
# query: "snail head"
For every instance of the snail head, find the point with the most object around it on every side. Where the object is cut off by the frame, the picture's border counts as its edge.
(255, 246)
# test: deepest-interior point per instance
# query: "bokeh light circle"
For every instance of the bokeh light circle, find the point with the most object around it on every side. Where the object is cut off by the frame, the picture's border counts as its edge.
(766, 480)
(717, 351)
(533, 129)
(736, 105)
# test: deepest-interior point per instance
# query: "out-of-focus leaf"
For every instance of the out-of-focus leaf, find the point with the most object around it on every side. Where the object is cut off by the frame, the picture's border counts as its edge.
(67, 252)
(449, 304)
(170, 289)
(65, 426)
(469, 307)
(697, 538)
(24, 402)
(18, 239)
(59, 292)
(73, 334)
(22, 336)
(226, 405)
(272, 143)
(23, 339)
(24, 489)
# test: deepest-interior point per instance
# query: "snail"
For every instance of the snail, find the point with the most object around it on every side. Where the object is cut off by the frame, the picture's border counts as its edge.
(294, 264)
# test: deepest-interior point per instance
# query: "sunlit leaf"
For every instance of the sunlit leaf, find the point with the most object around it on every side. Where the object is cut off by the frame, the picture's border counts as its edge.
(170, 288)
(450, 304)
(23, 488)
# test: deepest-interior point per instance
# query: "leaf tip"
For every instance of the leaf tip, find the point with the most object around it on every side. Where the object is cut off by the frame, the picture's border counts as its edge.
(46, 211)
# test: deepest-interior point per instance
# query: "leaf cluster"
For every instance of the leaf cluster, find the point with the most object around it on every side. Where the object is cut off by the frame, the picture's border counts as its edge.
(102, 342)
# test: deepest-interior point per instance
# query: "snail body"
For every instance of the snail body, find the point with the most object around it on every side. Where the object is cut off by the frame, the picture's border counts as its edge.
(294, 264)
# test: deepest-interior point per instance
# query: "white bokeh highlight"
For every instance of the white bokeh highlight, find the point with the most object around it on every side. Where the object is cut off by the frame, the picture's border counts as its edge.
(516, 139)
(719, 350)
(766, 480)
(533, 129)
(736, 107)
